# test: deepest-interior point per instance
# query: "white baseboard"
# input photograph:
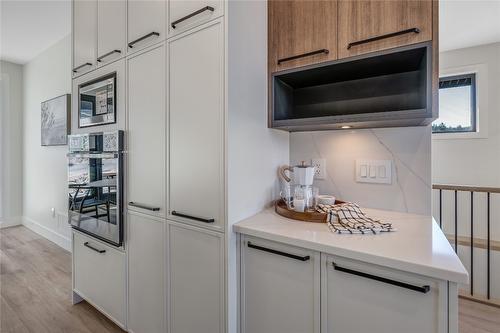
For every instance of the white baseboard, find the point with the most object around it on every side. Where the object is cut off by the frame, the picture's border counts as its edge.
(10, 222)
(51, 235)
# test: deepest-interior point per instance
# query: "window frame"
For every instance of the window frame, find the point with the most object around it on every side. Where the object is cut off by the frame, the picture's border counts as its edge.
(473, 100)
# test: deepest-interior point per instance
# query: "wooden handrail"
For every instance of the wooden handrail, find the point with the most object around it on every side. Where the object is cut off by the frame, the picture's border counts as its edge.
(451, 187)
(478, 242)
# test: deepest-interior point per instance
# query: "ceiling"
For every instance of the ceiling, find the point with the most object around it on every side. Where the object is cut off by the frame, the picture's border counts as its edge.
(29, 27)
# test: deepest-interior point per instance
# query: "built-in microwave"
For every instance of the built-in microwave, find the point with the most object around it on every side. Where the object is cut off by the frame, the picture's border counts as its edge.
(95, 185)
(97, 101)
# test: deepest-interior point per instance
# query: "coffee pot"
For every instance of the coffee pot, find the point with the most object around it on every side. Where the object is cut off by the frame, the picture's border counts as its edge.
(302, 174)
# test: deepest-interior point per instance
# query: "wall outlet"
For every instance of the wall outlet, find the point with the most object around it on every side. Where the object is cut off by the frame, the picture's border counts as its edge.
(320, 171)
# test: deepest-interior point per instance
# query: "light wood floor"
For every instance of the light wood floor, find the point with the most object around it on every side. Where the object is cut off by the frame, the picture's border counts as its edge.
(35, 292)
(35, 288)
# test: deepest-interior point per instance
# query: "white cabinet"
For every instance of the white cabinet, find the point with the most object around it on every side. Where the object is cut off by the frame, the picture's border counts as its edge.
(359, 297)
(184, 15)
(111, 30)
(99, 276)
(280, 288)
(146, 273)
(146, 23)
(195, 279)
(84, 36)
(196, 126)
(147, 131)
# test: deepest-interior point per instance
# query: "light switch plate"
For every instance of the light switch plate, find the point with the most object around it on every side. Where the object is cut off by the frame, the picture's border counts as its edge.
(320, 164)
(374, 171)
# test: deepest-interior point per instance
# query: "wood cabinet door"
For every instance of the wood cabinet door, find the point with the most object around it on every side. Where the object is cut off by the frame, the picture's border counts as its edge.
(84, 36)
(111, 28)
(280, 288)
(303, 30)
(374, 25)
(146, 273)
(360, 297)
(196, 126)
(195, 279)
(146, 23)
(147, 132)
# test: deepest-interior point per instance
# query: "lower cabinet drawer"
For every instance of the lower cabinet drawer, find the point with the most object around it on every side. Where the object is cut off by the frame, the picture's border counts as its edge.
(99, 276)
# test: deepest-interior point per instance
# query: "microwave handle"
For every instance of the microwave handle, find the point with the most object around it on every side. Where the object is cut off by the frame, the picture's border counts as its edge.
(98, 155)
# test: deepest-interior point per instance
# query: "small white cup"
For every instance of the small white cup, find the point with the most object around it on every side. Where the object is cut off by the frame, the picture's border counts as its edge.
(326, 199)
(299, 205)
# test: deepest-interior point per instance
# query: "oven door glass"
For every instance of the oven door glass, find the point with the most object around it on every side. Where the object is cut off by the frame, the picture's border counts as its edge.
(93, 194)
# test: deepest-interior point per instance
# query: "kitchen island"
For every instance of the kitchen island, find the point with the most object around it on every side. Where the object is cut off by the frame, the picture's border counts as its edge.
(300, 277)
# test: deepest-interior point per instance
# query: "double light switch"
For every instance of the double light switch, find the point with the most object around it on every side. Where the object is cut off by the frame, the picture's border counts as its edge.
(374, 171)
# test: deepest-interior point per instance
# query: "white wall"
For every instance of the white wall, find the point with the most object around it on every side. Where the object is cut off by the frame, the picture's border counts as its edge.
(44, 169)
(10, 144)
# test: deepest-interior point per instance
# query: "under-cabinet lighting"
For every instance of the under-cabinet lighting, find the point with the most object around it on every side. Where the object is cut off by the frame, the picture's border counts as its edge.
(346, 127)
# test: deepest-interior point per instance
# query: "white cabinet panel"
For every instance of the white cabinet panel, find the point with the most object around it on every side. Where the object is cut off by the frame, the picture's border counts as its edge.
(184, 15)
(111, 30)
(146, 273)
(354, 302)
(84, 36)
(146, 23)
(280, 288)
(196, 280)
(146, 131)
(196, 123)
(99, 276)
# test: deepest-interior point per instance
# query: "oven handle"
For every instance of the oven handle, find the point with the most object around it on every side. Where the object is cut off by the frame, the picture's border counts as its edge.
(98, 155)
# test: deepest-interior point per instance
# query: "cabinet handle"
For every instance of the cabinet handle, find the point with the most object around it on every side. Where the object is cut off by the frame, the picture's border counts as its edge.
(75, 70)
(108, 54)
(325, 51)
(138, 205)
(201, 219)
(422, 289)
(199, 11)
(392, 34)
(86, 244)
(284, 254)
(132, 43)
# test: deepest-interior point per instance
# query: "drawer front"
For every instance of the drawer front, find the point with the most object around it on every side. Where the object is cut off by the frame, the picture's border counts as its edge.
(356, 293)
(99, 275)
(184, 15)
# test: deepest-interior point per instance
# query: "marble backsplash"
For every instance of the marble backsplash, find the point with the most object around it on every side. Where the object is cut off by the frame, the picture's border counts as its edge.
(409, 149)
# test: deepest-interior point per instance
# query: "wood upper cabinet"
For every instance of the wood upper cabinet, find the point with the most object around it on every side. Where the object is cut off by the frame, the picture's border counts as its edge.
(303, 30)
(374, 25)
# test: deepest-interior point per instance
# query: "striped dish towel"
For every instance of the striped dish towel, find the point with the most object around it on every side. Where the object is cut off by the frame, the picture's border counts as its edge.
(347, 218)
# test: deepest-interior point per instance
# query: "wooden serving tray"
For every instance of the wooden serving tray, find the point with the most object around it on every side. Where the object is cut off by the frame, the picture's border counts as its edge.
(281, 208)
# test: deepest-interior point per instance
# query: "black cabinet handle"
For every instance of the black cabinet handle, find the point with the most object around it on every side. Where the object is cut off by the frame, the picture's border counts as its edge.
(108, 54)
(280, 253)
(422, 289)
(75, 70)
(151, 34)
(392, 34)
(325, 51)
(199, 11)
(201, 219)
(93, 248)
(138, 205)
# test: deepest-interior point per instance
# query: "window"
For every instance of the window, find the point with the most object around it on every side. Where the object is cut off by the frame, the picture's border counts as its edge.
(457, 104)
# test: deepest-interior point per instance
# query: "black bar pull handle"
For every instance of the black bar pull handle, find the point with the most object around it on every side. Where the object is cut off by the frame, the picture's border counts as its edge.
(422, 289)
(280, 253)
(392, 34)
(151, 34)
(201, 219)
(138, 205)
(86, 244)
(199, 11)
(75, 70)
(308, 54)
(108, 54)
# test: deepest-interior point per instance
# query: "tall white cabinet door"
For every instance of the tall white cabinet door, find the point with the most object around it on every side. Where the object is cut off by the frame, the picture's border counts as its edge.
(146, 132)
(280, 288)
(184, 15)
(146, 274)
(195, 279)
(146, 23)
(360, 297)
(84, 36)
(111, 30)
(196, 126)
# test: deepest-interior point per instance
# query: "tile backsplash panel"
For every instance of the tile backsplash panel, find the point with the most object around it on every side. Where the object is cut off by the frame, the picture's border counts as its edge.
(409, 149)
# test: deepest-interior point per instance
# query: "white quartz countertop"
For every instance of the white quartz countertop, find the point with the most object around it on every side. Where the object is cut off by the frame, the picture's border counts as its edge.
(418, 246)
